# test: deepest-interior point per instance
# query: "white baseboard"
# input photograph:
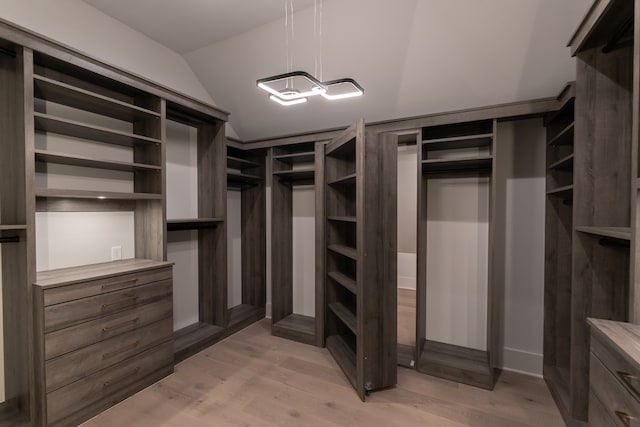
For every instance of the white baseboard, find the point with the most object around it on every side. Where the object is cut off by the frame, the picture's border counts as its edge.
(407, 283)
(522, 362)
(267, 310)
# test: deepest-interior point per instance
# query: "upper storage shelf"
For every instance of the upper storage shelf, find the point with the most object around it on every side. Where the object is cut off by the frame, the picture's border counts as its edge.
(608, 23)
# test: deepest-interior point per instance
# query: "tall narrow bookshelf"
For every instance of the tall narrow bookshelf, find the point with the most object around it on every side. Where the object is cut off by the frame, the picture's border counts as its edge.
(296, 166)
(603, 176)
(454, 151)
(246, 173)
(360, 288)
(560, 155)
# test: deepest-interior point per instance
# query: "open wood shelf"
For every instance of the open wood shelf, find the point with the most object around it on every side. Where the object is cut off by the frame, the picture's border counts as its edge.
(343, 250)
(344, 280)
(564, 137)
(297, 327)
(344, 355)
(350, 219)
(296, 175)
(192, 223)
(62, 93)
(566, 163)
(619, 233)
(242, 313)
(467, 141)
(75, 160)
(52, 124)
(85, 194)
(12, 227)
(296, 158)
(242, 179)
(565, 192)
(238, 163)
(345, 315)
(479, 163)
(343, 180)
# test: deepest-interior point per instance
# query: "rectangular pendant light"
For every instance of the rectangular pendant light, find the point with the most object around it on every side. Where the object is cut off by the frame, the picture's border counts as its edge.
(284, 87)
(342, 89)
(287, 103)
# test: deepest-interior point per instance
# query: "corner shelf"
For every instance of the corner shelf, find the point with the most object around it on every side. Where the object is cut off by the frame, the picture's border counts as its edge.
(565, 192)
(306, 174)
(243, 179)
(342, 279)
(61, 126)
(619, 233)
(62, 93)
(467, 141)
(75, 160)
(564, 137)
(238, 163)
(297, 327)
(345, 315)
(566, 163)
(193, 223)
(350, 219)
(343, 180)
(345, 251)
(296, 158)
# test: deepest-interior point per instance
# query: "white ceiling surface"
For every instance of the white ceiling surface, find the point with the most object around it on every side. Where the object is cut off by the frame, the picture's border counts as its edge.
(187, 25)
(413, 57)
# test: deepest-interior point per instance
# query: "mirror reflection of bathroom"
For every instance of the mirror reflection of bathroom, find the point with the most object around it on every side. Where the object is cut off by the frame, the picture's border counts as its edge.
(407, 244)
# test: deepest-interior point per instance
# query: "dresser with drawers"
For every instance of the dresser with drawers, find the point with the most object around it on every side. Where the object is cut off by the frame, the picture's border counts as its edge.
(614, 377)
(102, 333)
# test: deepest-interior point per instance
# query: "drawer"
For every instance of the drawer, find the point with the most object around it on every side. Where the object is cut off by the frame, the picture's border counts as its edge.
(598, 416)
(618, 366)
(61, 315)
(100, 286)
(85, 394)
(73, 366)
(66, 340)
(618, 403)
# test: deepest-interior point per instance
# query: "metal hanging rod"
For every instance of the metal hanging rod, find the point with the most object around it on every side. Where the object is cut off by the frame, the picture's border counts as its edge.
(10, 239)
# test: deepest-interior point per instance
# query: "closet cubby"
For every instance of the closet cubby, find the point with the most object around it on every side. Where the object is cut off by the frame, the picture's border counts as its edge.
(246, 173)
(558, 245)
(294, 167)
(455, 151)
(360, 257)
(208, 226)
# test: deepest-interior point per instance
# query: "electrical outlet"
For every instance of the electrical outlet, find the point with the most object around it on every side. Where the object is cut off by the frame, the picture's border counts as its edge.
(116, 253)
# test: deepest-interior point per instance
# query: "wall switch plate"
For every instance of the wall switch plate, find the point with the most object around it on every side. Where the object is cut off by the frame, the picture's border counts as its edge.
(116, 253)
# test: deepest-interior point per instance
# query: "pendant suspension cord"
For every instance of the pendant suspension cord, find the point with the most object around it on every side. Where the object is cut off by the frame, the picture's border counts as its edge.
(320, 37)
(286, 37)
(315, 38)
(293, 36)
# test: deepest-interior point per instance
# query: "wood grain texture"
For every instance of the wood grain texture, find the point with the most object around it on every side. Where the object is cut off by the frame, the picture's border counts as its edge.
(320, 242)
(253, 378)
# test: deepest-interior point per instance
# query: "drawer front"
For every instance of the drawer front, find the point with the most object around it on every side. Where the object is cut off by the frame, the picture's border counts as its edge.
(73, 366)
(598, 416)
(618, 366)
(83, 394)
(61, 315)
(619, 405)
(66, 340)
(101, 286)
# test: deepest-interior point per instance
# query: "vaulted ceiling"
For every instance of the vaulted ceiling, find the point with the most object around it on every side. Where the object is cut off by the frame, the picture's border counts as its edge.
(413, 57)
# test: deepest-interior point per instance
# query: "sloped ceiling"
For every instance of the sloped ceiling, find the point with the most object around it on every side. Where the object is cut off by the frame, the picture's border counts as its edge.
(413, 57)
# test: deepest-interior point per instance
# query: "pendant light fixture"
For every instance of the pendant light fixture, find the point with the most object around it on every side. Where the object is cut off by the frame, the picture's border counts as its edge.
(295, 87)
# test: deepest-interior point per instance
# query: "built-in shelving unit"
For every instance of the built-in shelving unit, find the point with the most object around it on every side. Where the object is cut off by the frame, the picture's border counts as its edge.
(360, 267)
(292, 167)
(246, 171)
(558, 241)
(459, 150)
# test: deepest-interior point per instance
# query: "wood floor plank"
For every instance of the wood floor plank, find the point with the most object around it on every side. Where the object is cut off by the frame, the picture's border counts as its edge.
(255, 379)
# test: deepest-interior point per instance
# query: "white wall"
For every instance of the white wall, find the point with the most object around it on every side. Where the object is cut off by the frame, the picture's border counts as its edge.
(182, 202)
(522, 184)
(304, 254)
(407, 216)
(234, 248)
(1, 338)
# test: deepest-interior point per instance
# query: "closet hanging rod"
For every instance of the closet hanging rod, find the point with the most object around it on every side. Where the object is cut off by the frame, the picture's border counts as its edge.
(619, 36)
(10, 239)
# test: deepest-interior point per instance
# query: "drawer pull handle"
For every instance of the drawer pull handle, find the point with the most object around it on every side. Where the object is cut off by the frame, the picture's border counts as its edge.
(626, 419)
(121, 325)
(111, 382)
(128, 301)
(629, 381)
(119, 284)
(122, 350)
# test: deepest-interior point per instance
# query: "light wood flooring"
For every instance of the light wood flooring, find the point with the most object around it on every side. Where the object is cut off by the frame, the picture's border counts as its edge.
(254, 379)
